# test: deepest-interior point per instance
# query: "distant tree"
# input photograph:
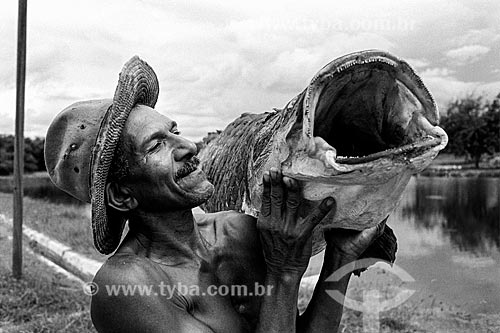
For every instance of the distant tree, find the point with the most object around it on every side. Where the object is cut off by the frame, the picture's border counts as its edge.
(37, 151)
(492, 120)
(33, 154)
(30, 162)
(472, 124)
(6, 154)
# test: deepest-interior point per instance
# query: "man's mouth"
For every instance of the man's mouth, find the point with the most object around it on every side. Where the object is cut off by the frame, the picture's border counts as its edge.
(188, 167)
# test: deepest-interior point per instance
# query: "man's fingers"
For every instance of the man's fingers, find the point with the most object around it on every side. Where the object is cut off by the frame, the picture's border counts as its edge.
(276, 194)
(266, 195)
(293, 194)
(327, 205)
(319, 213)
(292, 202)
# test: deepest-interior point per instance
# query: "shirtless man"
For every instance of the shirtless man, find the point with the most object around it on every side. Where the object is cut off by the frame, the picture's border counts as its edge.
(153, 183)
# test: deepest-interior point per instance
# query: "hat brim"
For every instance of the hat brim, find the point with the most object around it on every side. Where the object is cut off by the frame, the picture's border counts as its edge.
(137, 84)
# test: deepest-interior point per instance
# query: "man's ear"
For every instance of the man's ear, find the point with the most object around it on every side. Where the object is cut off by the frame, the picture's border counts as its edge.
(120, 198)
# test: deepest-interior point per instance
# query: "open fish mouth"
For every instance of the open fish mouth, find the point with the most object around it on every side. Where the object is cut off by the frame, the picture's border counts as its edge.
(366, 106)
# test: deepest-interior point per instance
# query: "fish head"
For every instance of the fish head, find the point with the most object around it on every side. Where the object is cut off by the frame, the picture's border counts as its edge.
(361, 129)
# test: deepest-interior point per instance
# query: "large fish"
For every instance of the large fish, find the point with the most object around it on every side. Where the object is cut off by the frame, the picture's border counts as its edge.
(365, 124)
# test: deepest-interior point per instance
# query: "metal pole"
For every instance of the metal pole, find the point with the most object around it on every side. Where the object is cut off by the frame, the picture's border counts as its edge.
(17, 238)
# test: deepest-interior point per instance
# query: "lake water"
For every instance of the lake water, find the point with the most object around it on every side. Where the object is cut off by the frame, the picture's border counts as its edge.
(448, 233)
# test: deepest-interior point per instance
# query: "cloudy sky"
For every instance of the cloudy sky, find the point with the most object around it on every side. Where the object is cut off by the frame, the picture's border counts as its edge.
(217, 59)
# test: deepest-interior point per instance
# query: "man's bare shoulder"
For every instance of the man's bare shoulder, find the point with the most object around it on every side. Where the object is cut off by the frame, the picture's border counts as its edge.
(128, 268)
(121, 270)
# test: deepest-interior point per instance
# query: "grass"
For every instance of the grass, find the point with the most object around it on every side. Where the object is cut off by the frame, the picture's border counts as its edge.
(42, 301)
(49, 210)
(69, 224)
(412, 317)
(38, 185)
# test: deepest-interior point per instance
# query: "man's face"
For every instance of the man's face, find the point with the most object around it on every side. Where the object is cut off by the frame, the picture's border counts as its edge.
(163, 173)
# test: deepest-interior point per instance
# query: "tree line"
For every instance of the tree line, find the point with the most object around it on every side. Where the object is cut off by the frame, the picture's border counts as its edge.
(472, 123)
(473, 127)
(33, 154)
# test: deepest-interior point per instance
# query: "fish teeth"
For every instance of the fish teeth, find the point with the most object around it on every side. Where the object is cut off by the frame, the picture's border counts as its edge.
(442, 135)
(329, 160)
(318, 148)
(433, 130)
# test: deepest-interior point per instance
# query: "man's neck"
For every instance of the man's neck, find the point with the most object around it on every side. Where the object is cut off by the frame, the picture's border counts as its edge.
(170, 238)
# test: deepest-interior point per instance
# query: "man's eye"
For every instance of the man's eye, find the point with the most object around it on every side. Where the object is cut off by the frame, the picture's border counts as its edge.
(175, 131)
(156, 146)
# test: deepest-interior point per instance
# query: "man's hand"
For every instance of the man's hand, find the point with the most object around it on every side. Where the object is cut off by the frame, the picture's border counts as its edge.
(286, 238)
(287, 246)
(349, 245)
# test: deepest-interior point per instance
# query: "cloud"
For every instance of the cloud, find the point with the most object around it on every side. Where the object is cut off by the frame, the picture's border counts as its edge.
(445, 86)
(218, 59)
(467, 54)
(418, 63)
(486, 36)
(437, 71)
(230, 72)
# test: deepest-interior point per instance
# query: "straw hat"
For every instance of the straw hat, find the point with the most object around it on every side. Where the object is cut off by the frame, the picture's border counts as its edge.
(81, 141)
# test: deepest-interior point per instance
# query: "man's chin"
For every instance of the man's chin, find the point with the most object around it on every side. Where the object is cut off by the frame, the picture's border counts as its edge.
(204, 192)
(197, 199)
(197, 192)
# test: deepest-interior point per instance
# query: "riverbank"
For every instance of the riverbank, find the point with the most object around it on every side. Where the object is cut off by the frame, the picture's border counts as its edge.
(458, 171)
(448, 165)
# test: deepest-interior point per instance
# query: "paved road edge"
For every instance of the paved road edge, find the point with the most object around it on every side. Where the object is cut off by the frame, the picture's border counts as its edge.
(60, 254)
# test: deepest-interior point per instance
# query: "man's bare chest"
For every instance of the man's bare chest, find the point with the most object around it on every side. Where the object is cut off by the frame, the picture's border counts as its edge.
(221, 293)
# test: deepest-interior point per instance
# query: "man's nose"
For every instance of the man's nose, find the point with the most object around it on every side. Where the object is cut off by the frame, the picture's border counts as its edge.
(184, 149)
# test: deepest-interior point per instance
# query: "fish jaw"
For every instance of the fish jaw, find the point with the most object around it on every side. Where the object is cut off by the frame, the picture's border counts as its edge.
(358, 206)
(317, 162)
(367, 188)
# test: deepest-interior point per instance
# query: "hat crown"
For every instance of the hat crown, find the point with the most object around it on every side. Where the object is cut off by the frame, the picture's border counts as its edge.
(81, 142)
(69, 143)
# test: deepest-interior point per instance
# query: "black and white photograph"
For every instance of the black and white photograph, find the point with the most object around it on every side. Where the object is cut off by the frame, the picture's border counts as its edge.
(250, 166)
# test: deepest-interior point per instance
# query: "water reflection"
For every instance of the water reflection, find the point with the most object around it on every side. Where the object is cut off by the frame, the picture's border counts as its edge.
(464, 210)
(448, 233)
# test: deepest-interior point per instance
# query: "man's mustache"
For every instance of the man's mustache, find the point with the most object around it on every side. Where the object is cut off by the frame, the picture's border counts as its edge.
(187, 168)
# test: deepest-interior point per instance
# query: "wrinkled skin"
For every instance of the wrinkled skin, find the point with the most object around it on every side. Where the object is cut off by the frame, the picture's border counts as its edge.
(151, 140)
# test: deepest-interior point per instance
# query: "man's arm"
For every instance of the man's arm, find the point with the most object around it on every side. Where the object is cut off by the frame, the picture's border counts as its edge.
(344, 247)
(287, 246)
(122, 311)
(323, 314)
